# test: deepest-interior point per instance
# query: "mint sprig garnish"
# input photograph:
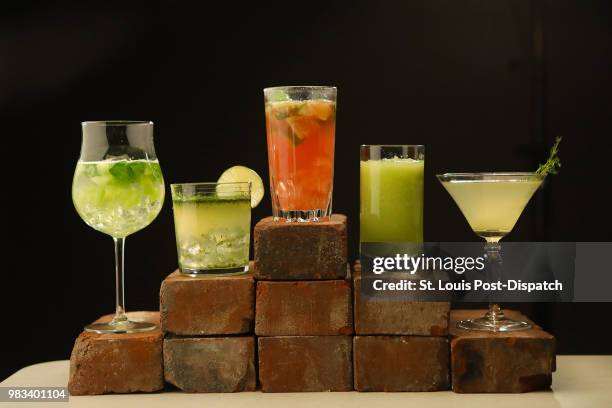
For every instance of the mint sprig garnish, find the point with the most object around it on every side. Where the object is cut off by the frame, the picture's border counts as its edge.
(553, 164)
(127, 172)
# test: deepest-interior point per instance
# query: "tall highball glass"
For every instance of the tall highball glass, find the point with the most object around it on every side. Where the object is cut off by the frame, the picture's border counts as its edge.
(301, 127)
(391, 190)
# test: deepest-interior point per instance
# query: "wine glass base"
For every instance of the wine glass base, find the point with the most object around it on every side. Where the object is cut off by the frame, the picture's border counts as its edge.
(127, 326)
(487, 324)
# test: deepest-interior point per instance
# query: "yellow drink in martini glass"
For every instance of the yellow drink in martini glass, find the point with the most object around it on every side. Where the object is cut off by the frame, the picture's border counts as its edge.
(492, 203)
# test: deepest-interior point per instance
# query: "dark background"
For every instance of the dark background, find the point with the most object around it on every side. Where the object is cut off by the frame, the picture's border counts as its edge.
(485, 85)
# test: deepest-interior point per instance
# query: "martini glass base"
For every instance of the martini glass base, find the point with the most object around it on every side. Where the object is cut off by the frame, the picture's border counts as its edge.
(126, 326)
(487, 323)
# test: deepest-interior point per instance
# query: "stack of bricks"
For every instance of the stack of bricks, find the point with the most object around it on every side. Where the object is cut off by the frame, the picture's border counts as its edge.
(300, 319)
(304, 317)
(208, 341)
(400, 345)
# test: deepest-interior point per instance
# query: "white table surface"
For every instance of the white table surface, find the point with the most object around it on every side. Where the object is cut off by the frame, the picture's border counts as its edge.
(580, 381)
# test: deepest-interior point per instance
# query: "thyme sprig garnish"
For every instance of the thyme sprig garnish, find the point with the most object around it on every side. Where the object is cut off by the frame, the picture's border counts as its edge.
(553, 164)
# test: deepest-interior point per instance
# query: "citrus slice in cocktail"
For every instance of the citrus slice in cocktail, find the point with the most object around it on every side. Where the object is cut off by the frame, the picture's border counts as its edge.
(242, 174)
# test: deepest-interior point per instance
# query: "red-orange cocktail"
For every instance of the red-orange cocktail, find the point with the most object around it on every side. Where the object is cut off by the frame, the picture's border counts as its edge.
(300, 124)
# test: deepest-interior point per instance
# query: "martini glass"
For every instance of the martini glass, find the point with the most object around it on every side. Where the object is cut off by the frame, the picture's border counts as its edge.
(491, 204)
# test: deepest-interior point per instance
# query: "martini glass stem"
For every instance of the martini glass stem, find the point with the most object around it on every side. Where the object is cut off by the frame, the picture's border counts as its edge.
(494, 320)
(494, 264)
(495, 313)
(120, 316)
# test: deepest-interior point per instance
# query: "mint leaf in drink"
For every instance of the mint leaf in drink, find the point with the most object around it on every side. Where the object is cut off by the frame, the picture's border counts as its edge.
(123, 172)
(553, 164)
(277, 95)
(138, 168)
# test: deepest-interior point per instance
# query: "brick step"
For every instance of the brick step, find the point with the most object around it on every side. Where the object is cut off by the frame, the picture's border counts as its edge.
(305, 363)
(401, 363)
(303, 308)
(210, 364)
(397, 316)
(519, 361)
(118, 363)
(300, 250)
(208, 305)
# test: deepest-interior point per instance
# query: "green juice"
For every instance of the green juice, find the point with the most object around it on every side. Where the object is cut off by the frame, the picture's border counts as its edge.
(118, 197)
(212, 232)
(492, 207)
(391, 200)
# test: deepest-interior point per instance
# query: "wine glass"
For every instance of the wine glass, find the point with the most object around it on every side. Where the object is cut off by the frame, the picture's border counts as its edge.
(118, 189)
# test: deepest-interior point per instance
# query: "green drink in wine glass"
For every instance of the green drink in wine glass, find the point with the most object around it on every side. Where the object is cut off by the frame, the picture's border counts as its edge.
(118, 189)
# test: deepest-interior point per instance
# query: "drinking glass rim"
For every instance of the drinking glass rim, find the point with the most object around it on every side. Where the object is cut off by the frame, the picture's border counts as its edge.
(117, 122)
(392, 145)
(285, 87)
(211, 183)
(238, 189)
(494, 176)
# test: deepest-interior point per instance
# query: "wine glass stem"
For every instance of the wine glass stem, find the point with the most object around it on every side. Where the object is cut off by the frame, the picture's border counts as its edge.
(120, 316)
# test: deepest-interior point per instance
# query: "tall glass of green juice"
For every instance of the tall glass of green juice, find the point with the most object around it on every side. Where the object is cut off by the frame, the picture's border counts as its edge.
(391, 185)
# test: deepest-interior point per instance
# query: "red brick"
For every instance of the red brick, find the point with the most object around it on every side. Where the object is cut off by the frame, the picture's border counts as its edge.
(208, 305)
(519, 361)
(117, 363)
(210, 364)
(303, 308)
(309, 363)
(401, 363)
(398, 317)
(300, 250)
